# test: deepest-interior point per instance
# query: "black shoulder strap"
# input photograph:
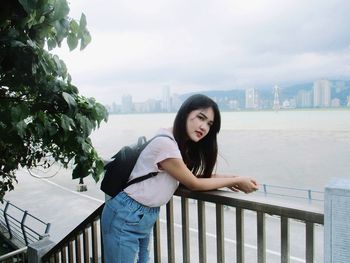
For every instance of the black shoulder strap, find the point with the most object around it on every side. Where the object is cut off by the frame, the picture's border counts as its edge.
(144, 177)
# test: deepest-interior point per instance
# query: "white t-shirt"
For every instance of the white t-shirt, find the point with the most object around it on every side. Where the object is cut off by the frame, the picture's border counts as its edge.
(158, 190)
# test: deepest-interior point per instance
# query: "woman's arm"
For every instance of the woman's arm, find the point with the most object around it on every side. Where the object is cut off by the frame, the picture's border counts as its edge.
(216, 175)
(178, 169)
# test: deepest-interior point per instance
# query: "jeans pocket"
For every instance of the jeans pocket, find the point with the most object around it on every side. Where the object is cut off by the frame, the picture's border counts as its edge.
(134, 218)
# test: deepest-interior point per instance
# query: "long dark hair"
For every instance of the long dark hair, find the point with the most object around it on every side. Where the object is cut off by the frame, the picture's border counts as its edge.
(200, 157)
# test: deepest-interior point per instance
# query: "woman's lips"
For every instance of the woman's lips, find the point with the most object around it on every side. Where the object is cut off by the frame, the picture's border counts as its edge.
(199, 134)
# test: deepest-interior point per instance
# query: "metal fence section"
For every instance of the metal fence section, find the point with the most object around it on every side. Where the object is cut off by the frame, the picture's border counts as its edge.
(238, 224)
(20, 226)
(84, 243)
(18, 256)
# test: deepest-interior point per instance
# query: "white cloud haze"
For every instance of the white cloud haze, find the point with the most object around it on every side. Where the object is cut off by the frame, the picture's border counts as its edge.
(139, 46)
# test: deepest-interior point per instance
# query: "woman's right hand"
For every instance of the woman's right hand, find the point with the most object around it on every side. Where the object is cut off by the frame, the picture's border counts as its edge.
(245, 184)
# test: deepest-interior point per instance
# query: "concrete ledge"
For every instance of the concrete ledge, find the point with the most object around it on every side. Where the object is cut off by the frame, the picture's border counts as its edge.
(38, 249)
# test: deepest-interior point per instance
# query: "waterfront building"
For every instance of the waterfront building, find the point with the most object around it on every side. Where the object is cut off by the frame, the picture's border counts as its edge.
(115, 108)
(153, 105)
(304, 99)
(176, 102)
(127, 105)
(166, 99)
(233, 105)
(251, 98)
(140, 107)
(322, 93)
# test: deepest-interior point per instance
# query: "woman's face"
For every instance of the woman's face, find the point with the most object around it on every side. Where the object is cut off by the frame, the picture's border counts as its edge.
(199, 123)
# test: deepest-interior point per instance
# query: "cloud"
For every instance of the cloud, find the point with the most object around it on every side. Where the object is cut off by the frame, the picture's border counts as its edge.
(144, 45)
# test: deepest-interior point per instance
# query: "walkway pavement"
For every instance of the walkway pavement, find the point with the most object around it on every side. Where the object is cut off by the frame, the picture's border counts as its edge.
(55, 200)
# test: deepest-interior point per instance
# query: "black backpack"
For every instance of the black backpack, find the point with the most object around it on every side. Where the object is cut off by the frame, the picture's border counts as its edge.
(118, 170)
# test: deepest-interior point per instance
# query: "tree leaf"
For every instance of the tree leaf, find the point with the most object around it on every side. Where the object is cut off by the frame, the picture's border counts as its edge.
(61, 9)
(21, 128)
(28, 5)
(67, 123)
(74, 27)
(85, 124)
(82, 23)
(72, 41)
(69, 99)
(51, 43)
(85, 40)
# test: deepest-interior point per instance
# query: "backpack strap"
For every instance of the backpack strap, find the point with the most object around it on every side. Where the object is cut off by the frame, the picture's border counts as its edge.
(145, 177)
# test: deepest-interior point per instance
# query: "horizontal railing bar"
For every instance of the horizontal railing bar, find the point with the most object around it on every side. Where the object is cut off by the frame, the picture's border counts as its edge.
(294, 188)
(296, 197)
(28, 214)
(270, 206)
(11, 254)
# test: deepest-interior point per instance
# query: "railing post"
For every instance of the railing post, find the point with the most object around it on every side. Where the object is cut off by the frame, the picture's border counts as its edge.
(156, 242)
(284, 240)
(337, 221)
(240, 234)
(261, 237)
(170, 230)
(310, 236)
(22, 227)
(220, 236)
(6, 219)
(48, 225)
(185, 230)
(202, 232)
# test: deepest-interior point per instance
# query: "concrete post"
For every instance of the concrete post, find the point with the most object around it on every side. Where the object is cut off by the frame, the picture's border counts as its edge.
(337, 221)
(38, 249)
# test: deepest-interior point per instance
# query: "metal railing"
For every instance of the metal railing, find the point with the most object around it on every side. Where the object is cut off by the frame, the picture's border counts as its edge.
(19, 255)
(20, 226)
(84, 243)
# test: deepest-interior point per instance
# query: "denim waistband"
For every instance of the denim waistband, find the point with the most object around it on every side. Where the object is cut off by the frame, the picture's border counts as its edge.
(128, 201)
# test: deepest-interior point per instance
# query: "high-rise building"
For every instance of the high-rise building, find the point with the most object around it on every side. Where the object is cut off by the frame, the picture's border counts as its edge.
(322, 93)
(176, 102)
(304, 99)
(166, 99)
(251, 98)
(127, 105)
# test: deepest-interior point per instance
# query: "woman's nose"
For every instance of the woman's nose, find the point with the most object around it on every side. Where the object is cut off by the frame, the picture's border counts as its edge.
(204, 126)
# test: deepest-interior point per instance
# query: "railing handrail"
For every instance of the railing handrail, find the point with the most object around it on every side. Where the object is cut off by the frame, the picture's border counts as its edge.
(13, 253)
(74, 232)
(260, 203)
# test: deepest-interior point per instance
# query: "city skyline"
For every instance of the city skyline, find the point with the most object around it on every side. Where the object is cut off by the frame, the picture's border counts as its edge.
(139, 48)
(317, 95)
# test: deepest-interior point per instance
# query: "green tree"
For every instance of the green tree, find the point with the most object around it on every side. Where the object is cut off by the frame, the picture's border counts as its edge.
(42, 114)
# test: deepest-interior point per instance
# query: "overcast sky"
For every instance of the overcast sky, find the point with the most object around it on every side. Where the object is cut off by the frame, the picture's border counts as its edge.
(138, 47)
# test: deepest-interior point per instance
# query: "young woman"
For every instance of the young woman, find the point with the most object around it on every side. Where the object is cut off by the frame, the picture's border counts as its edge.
(188, 157)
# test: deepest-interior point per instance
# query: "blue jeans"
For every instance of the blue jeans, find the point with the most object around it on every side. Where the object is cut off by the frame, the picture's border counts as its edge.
(126, 228)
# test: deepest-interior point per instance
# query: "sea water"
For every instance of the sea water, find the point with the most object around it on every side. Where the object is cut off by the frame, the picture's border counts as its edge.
(291, 148)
